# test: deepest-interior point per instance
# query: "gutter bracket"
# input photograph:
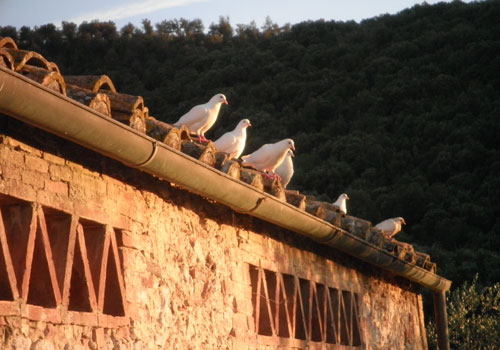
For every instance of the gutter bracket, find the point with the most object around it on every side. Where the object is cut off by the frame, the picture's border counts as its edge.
(257, 204)
(150, 158)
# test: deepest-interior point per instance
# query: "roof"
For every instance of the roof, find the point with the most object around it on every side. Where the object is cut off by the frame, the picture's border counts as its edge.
(99, 94)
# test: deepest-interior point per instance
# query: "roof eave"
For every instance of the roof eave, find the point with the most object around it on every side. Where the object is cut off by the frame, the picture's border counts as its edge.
(59, 115)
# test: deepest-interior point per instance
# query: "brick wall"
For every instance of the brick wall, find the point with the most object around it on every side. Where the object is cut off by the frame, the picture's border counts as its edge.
(184, 263)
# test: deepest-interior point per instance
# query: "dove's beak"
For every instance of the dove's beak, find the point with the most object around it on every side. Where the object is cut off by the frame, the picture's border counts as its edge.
(293, 148)
(292, 154)
(225, 102)
(249, 124)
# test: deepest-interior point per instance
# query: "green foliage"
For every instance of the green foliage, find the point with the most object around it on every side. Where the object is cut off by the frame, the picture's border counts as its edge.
(473, 318)
(399, 111)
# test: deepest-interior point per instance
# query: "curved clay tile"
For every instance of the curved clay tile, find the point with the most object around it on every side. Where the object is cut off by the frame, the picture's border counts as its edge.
(127, 109)
(8, 43)
(296, 199)
(274, 188)
(227, 166)
(101, 104)
(94, 83)
(166, 133)
(204, 153)
(54, 67)
(95, 100)
(125, 103)
(422, 259)
(6, 59)
(52, 80)
(134, 119)
(23, 57)
(252, 177)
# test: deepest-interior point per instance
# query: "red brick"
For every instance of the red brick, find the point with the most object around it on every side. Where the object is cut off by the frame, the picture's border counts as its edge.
(33, 178)
(56, 187)
(108, 321)
(38, 313)
(9, 156)
(98, 338)
(37, 164)
(16, 188)
(132, 240)
(53, 158)
(9, 308)
(82, 318)
(54, 200)
(92, 211)
(22, 146)
(91, 183)
(58, 172)
(11, 171)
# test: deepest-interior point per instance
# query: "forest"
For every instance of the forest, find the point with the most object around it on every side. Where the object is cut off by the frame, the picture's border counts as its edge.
(401, 112)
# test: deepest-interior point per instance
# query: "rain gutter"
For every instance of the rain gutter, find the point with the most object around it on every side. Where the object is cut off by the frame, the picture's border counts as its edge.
(32, 103)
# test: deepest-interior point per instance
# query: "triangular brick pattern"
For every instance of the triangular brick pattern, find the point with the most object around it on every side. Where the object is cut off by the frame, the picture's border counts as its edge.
(49, 258)
(43, 289)
(81, 292)
(111, 295)
(290, 307)
(8, 284)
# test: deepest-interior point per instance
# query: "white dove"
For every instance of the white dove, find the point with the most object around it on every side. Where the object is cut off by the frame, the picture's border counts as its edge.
(233, 142)
(200, 118)
(391, 227)
(285, 169)
(269, 156)
(340, 203)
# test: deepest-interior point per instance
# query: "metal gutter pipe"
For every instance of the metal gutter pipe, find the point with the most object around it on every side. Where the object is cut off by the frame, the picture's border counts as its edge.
(64, 117)
(441, 319)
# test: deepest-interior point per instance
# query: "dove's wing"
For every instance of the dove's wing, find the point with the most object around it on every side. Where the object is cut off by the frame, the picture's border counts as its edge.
(285, 170)
(388, 226)
(195, 118)
(261, 157)
(226, 143)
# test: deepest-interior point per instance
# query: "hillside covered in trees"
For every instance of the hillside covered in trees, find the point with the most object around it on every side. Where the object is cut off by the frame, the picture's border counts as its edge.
(402, 112)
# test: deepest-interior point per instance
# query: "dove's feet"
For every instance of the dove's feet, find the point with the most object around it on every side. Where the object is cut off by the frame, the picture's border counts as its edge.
(202, 139)
(272, 175)
(267, 175)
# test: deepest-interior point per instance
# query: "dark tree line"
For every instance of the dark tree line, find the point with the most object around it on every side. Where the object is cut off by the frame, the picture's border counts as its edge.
(402, 112)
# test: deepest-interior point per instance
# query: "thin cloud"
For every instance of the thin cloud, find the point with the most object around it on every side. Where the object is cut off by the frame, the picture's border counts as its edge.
(131, 10)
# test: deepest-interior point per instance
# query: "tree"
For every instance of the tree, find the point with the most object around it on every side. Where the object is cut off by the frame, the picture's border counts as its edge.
(147, 27)
(223, 30)
(473, 318)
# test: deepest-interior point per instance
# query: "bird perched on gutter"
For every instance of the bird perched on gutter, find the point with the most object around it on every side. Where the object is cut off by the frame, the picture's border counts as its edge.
(391, 227)
(285, 169)
(269, 156)
(200, 118)
(233, 142)
(340, 203)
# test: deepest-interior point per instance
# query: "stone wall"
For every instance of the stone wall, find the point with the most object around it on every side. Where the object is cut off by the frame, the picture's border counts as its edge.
(185, 262)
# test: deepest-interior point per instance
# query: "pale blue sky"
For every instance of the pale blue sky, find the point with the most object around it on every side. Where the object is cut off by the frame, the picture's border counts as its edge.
(37, 12)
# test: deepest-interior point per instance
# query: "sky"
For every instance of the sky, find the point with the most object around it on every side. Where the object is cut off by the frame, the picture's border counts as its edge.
(33, 13)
